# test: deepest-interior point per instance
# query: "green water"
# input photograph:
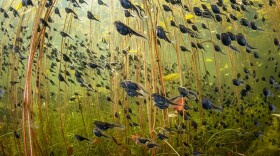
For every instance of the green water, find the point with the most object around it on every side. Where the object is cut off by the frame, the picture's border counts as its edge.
(41, 115)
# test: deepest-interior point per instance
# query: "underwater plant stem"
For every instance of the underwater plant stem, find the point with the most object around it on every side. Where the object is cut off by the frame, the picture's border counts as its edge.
(158, 60)
(59, 96)
(149, 104)
(27, 108)
(196, 67)
(83, 119)
(157, 56)
(38, 83)
(217, 65)
(171, 147)
(223, 131)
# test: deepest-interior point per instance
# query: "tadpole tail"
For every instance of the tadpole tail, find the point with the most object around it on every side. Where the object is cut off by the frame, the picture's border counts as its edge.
(207, 41)
(141, 10)
(115, 141)
(137, 34)
(234, 48)
(217, 107)
(137, 11)
(66, 83)
(106, 136)
(70, 37)
(250, 47)
(223, 53)
(166, 39)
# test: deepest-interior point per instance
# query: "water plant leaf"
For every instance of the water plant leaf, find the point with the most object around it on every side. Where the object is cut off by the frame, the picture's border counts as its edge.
(171, 77)
(189, 16)
(19, 6)
(209, 60)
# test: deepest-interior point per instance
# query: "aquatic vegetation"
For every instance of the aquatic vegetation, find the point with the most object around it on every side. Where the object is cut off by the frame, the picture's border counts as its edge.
(139, 77)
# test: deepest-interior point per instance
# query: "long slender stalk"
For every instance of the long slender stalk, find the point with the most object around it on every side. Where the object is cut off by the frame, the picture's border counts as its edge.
(27, 89)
